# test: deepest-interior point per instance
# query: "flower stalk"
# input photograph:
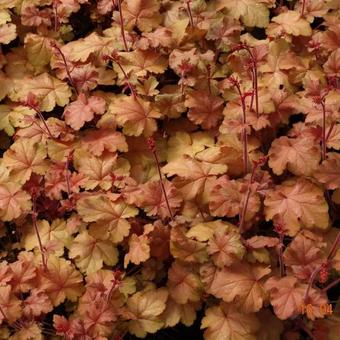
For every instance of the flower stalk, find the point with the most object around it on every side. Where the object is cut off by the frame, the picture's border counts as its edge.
(121, 19)
(3, 313)
(33, 104)
(256, 164)
(330, 131)
(67, 173)
(235, 82)
(190, 13)
(152, 147)
(117, 279)
(280, 231)
(35, 224)
(303, 6)
(323, 138)
(55, 14)
(331, 285)
(209, 78)
(254, 75)
(114, 57)
(70, 79)
(320, 99)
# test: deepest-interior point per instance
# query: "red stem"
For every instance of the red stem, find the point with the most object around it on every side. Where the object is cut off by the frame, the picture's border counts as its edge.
(162, 184)
(39, 127)
(330, 131)
(310, 282)
(244, 210)
(182, 85)
(255, 78)
(331, 285)
(209, 78)
(190, 14)
(256, 91)
(67, 177)
(253, 93)
(122, 24)
(282, 268)
(41, 117)
(246, 201)
(244, 133)
(66, 68)
(303, 8)
(44, 122)
(126, 79)
(334, 247)
(56, 18)
(245, 151)
(323, 140)
(3, 313)
(112, 288)
(34, 219)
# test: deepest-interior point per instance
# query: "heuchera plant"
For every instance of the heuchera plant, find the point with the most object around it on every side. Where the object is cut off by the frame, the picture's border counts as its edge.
(169, 162)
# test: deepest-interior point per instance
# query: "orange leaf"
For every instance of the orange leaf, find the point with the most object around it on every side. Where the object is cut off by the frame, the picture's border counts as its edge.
(82, 110)
(136, 116)
(287, 298)
(184, 284)
(227, 198)
(175, 313)
(302, 256)
(142, 13)
(24, 273)
(24, 157)
(299, 155)
(290, 22)
(153, 200)
(333, 140)
(10, 305)
(96, 170)
(257, 242)
(60, 281)
(299, 203)
(14, 202)
(241, 285)
(90, 254)
(110, 215)
(36, 304)
(104, 6)
(97, 141)
(185, 249)
(139, 250)
(225, 247)
(225, 322)
(204, 108)
(8, 32)
(147, 307)
(194, 176)
(139, 63)
(332, 65)
(328, 172)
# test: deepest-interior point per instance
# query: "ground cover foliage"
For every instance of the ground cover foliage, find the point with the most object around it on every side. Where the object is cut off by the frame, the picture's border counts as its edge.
(169, 164)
